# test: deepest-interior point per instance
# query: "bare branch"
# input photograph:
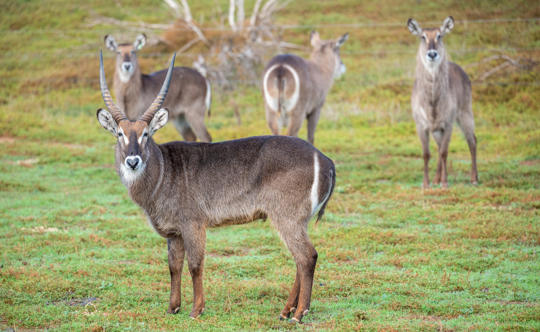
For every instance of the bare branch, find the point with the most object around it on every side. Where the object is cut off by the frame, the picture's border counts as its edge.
(174, 6)
(188, 45)
(138, 25)
(231, 15)
(240, 14)
(187, 11)
(187, 17)
(255, 13)
(508, 61)
(284, 45)
(494, 70)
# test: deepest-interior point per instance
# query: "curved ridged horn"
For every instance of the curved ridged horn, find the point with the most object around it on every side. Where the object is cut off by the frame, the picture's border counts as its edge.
(148, 115)
(116, 112)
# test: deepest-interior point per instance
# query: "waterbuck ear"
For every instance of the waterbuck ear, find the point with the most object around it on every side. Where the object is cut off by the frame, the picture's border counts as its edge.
(107, 121)
(139, 41)
(110, 43)
(414, 27)
(160, 119)
(447, 25)
(342, 40)
(315, 39)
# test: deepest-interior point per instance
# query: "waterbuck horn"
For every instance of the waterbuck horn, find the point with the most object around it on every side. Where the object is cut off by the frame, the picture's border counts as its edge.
(116, 112)
(148, 115)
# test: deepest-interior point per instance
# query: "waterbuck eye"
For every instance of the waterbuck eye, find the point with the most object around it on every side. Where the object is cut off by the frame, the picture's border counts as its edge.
(145, 135)
(119, 134)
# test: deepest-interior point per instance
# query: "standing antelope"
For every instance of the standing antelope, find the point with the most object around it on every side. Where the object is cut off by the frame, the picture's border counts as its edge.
(186, 187)
(441, 95)
(188, 99)
(295, 88)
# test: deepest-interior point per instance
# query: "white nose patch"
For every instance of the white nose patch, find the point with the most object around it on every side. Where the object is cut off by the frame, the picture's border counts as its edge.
(128, 174)
(126, 70)
(127, 66)
(133, 162)
(340, 71)
(430, 58)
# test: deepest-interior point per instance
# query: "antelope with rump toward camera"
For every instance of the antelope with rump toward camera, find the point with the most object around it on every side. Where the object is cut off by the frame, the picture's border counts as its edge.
(188, 99)
(295, 88)
(186, 187)
(441, 96)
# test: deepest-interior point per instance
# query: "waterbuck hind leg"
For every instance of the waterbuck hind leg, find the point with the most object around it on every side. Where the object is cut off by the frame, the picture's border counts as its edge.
(176, 251)
(194, 243)
(295, 123)
(472, 148)
(423, 135)
(272, 121)
(294, 234)
(184, 129)
(292, 301)
(196, 122)
(465, 121)
(312, 120)
(306, 262)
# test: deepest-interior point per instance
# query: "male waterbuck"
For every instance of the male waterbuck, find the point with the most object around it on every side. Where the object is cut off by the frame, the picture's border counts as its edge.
(441, 95)
(295, 88)
(185, 187)
(188, 99)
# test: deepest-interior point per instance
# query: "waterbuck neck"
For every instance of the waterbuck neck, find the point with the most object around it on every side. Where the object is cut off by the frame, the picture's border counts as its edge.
(432, 80)
(146, 185)
(325, 67)
(132, 87)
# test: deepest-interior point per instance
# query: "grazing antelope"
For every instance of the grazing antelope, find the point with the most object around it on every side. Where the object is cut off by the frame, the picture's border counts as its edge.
(188, 99)
(185, 187)
(295, 88)
(441, 95)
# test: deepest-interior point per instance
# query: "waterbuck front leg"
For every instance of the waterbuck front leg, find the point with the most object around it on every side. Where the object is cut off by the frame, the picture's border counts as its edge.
(442, 137)
(423, 134)
(194, 235)
(176, 262)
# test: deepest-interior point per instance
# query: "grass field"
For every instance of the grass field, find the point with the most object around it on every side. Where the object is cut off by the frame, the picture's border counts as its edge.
(77, 254)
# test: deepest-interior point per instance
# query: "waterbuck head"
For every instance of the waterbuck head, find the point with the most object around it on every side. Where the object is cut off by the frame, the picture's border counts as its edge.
(126, 55)
(431, 49)
(133, 136)
(328, 51)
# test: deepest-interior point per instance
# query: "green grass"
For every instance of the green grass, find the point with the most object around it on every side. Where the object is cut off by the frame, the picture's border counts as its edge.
(77, 254)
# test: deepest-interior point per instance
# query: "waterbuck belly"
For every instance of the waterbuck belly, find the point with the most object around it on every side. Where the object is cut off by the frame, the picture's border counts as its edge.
(166, 227)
